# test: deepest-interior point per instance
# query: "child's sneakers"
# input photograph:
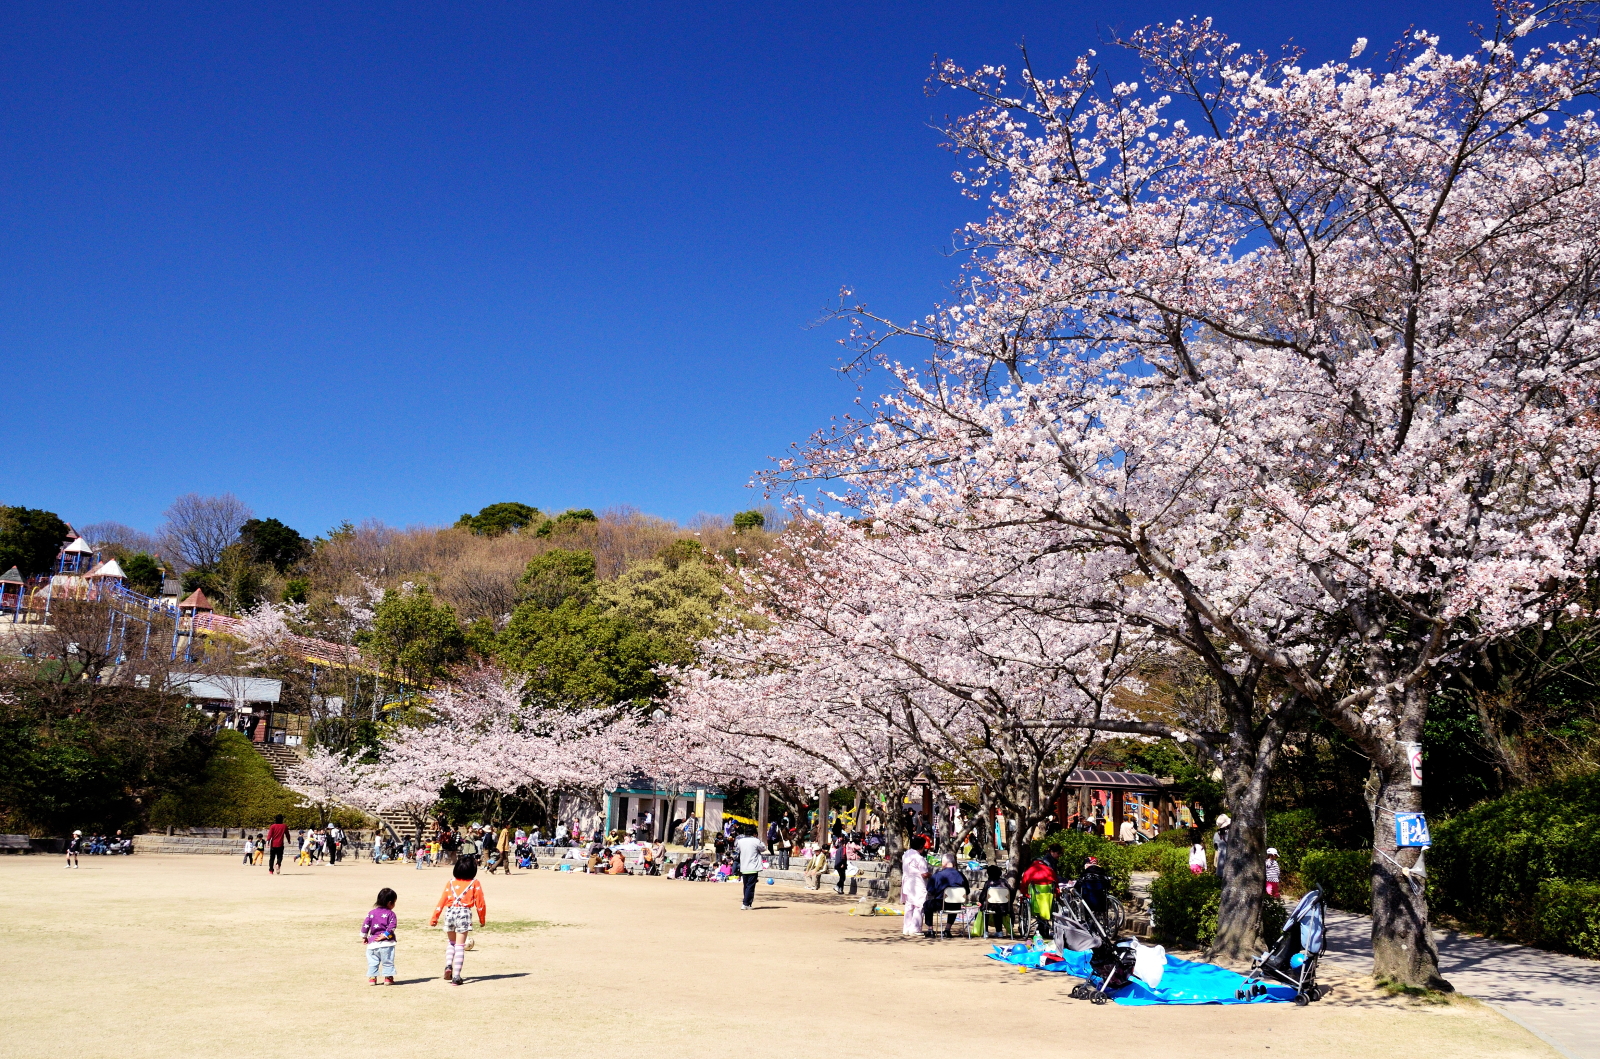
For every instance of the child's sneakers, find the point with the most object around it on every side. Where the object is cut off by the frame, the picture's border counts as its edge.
(449, 971)
(456, 980)
(372, 981)
(388, 979)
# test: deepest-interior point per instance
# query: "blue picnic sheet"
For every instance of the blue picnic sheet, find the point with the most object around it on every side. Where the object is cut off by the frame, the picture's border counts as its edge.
(1182, 982)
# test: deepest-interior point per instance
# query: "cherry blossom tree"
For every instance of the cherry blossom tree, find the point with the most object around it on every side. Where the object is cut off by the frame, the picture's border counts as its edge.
(326, 781)
(1308, 350)
(878, 659)
(401, 783)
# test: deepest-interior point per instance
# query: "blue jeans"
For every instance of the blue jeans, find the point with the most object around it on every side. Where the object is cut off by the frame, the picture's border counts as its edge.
(380, 956)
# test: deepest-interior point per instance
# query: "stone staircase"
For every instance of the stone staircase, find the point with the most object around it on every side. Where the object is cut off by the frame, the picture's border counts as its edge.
(281, 758)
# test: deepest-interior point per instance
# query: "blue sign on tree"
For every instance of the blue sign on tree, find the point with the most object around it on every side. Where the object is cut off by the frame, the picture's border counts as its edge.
(1411, 831)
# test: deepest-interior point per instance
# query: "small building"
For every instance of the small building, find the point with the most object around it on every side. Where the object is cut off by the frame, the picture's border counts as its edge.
(1108, 798)
(628, 805)
(241, 703)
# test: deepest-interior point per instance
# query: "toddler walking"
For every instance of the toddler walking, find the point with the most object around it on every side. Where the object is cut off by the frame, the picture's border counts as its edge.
(1274, 873)
(461, 896)
(377, 934)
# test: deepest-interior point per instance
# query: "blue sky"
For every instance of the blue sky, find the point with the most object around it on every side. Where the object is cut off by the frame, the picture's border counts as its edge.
(401, 261)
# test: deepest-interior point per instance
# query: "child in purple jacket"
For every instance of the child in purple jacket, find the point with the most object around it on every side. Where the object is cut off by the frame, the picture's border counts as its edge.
(377, 934)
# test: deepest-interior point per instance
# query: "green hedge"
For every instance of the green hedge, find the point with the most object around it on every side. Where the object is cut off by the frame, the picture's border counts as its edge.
(1569, 917)
(237, 789)
(1488, 866)
(1294, 834)
(1072, 847)
(1179, 901)
(1345, 876)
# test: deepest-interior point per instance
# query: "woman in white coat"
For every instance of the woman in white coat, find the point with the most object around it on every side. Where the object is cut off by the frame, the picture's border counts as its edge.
(913, 887)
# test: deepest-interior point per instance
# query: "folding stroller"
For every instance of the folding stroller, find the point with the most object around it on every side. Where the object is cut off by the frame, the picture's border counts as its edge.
(1293, 960)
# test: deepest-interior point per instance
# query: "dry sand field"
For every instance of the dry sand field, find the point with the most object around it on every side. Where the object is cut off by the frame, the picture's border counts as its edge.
(172, 956)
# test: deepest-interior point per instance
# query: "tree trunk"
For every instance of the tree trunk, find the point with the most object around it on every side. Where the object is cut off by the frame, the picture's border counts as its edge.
(1242, 871)
(1403, 950)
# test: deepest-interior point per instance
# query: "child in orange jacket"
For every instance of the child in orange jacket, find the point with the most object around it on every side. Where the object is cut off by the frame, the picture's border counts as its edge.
(461, 896)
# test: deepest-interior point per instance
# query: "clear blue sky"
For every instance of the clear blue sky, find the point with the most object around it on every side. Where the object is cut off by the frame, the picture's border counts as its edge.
(401, 261)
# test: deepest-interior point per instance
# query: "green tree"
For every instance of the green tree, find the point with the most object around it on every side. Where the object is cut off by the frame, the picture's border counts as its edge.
(270, 541)
(557, 576)
(746, 520)
(30, 539)
(415, 639)
(497, 519)
(567, 520)
(580, 655)
(144, 573)
(678, 598)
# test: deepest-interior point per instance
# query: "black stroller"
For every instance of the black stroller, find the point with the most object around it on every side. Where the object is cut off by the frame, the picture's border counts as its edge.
(1086, 919)
(1293, 960)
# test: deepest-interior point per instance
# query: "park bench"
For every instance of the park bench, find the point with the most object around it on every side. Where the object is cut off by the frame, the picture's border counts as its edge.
(14, 844)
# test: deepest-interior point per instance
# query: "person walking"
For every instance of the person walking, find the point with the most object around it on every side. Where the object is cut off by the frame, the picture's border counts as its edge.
(1274, 873)
(335, 844)
(249, 846)
(74, 844)
(378, 935)
(841, 862)
(462, 895)
(748, 848)
(276, 835)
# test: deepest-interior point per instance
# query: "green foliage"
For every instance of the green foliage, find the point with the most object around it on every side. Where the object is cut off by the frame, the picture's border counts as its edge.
(1273, 916)
(414, 638)
(1345, 876)
(1179, 904)
(30, 539)
(557, 576)
(1174, 836)
(580, 655)
(1486, 865)
(270, 541)
(207, 581)
(678, 598)
(567, 520)
(144, 573)
(236, 789)
(498, 519)
(1293, 834)
(296, 589)
(1456, 757)
(745, 520)
(1568, 918)
(77, 755)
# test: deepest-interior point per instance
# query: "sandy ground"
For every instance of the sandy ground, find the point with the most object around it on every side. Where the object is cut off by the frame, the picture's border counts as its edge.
(200, 956)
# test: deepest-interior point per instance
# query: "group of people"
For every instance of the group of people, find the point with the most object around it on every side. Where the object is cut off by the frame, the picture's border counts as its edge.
(96, 845)
(315, 845)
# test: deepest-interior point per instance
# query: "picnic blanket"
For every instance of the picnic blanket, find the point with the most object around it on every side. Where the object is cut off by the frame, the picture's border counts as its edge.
(1182, 981)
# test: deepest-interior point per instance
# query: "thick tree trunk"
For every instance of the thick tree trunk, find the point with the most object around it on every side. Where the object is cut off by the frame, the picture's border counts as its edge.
(1403, 950)
(1242, 871)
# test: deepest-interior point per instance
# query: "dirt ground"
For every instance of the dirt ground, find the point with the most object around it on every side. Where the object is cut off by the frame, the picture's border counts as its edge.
(175, 956)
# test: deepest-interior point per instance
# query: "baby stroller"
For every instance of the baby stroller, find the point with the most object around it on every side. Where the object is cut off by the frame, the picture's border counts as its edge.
(1293, 960)
(1112, 962)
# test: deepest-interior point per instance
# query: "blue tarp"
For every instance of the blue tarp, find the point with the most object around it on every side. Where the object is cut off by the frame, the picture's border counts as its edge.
(1182, 982)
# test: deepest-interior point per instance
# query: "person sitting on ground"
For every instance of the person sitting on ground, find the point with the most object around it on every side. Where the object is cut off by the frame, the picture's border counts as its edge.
(592, 865)
(946, 877)
(619, 864)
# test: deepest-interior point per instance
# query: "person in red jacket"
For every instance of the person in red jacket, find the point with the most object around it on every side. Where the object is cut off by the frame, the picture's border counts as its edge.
(1039, 883)
(276, 834)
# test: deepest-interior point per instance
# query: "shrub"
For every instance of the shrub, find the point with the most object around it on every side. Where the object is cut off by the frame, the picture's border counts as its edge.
(237, 789)
(1175, 836)
(1345, 876)
(1273, 916)
(1178, 903)
(1072, 847)
(1487, 865)
(1294, 834)
(1569, 917)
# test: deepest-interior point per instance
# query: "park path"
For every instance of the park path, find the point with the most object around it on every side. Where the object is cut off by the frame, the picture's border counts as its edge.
(1555, 997)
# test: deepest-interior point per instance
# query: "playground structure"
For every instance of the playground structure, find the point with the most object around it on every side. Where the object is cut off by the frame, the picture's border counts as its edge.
(81, 575)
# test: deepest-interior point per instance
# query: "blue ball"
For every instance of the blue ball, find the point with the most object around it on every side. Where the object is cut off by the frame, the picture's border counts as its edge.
(771, 881)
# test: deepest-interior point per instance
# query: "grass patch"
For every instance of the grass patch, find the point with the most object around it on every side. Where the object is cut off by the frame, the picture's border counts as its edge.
(1421, 994)
(512, 926)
